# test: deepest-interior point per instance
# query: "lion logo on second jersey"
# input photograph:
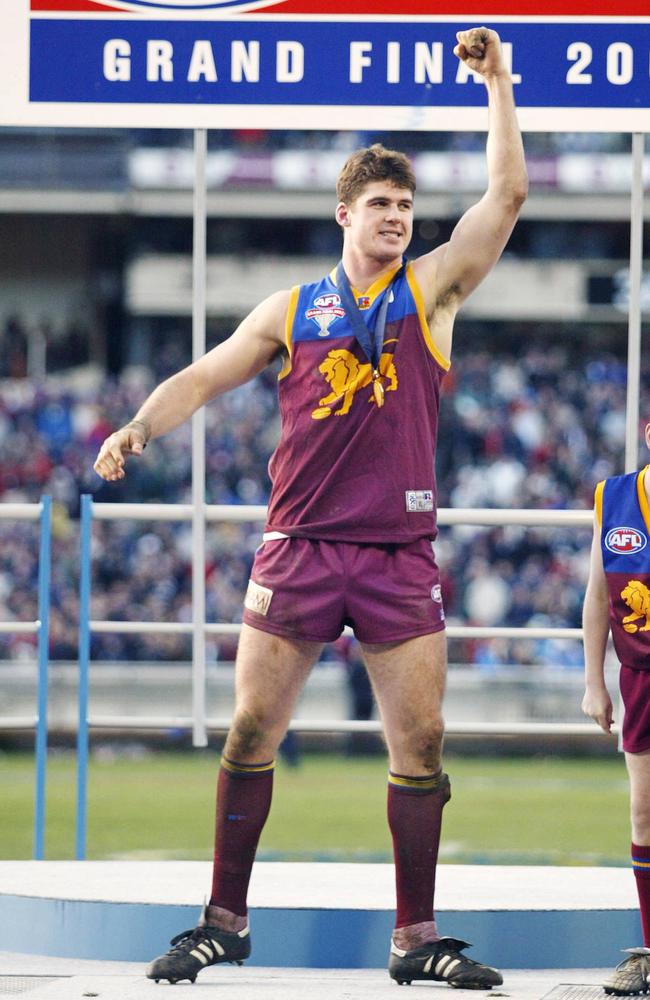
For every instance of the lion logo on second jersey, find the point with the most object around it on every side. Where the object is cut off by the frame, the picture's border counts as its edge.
(637, 597)
(346, 375)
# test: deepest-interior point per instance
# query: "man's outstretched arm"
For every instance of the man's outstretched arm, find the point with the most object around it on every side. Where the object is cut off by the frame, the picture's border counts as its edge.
(450, 272)
(255, 342)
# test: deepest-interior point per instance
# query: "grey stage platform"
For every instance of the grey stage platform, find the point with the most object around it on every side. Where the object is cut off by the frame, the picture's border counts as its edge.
(43, 978)
(319, 916)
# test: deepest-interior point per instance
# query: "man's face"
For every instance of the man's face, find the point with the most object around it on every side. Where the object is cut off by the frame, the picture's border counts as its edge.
(379, 223)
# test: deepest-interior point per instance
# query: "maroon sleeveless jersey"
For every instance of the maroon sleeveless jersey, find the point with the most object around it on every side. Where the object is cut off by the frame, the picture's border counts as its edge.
(346, 469)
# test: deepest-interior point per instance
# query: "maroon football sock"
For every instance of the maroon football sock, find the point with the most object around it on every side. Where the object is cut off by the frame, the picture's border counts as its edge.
(415, 816)
(243, 802)
(641, 866)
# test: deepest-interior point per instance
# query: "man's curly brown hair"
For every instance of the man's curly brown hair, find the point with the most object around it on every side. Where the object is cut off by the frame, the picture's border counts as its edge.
(375, 163)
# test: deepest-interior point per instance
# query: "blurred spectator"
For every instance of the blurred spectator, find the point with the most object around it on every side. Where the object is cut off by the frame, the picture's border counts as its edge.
(13, 349)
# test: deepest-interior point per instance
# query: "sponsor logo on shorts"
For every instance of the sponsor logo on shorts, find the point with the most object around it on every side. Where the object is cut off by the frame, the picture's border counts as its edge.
(419, 500)
(625, 541)
(436, 596)
(258, 598)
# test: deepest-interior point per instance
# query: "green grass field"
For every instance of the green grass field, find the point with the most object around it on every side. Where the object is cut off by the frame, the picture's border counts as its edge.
(160, 805)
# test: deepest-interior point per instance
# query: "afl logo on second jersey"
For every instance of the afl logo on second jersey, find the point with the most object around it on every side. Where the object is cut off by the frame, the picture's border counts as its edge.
(625, 541)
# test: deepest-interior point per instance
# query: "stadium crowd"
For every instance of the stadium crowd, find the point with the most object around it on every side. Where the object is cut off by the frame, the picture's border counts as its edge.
(536, 431)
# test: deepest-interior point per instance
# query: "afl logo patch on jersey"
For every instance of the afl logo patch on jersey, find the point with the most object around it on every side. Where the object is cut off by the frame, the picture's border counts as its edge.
(327, 301)
(325, 310)
(625, 541)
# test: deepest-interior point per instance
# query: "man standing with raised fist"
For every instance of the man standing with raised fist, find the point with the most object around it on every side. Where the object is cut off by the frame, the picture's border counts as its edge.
(352, 519)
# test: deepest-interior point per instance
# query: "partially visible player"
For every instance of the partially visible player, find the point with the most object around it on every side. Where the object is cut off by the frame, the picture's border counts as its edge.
(618, 600)
(351, 520)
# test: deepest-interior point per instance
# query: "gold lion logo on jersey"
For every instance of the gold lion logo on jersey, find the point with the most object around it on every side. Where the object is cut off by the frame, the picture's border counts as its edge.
(346, 375)
(637, 597)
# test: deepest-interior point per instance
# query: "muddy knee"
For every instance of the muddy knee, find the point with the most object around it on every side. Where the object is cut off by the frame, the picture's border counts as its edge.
(426, 747)
(248, 738)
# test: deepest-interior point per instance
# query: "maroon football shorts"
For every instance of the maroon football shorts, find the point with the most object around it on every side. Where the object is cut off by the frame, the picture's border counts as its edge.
(309, 589)
(635, 692)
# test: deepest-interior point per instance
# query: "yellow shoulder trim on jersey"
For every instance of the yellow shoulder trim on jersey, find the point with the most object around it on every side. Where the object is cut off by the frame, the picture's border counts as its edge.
(643, 500)
(288, 330)
(422, 316)
(598, 502)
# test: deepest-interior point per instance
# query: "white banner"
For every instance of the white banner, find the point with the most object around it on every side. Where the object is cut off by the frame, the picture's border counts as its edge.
(309, 65)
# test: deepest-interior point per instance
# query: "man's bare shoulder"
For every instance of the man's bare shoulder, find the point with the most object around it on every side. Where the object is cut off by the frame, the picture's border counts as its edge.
(267, 320)
(279, 300)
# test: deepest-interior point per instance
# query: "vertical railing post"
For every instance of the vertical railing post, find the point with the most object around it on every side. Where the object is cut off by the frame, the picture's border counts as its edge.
(199, 285)
(84, 665)
(44, 564)
(634, 314)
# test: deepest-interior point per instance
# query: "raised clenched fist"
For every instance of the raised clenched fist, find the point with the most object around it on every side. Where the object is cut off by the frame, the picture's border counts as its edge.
(480, 48)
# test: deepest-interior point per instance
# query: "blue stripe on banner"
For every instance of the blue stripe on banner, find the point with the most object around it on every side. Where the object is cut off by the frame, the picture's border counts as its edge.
(571, 65)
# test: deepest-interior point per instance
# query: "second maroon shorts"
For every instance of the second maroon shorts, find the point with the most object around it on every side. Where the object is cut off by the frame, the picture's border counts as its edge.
(310, 589)
(635, 692)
